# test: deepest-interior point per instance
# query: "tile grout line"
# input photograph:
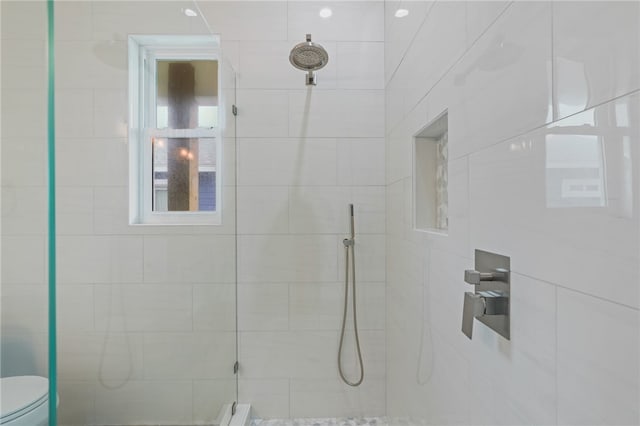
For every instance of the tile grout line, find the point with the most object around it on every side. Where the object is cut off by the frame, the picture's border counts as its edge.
(557, 399)
(453, 65)
(542, 126)
(573, 290)
(554, 116)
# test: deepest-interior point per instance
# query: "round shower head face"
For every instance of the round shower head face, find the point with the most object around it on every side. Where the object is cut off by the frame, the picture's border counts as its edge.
(308, 56)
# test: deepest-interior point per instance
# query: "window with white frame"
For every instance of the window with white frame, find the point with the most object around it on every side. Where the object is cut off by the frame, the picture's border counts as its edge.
(175, 148)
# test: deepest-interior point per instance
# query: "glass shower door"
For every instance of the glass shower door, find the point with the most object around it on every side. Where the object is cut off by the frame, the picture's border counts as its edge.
(147, 313)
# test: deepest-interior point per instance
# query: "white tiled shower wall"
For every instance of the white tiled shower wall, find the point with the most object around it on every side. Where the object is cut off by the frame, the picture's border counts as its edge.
(510, 74)
(146, 314)
(304, 155)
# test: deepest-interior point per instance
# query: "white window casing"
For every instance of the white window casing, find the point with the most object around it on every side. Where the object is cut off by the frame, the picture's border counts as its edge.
(144, 51)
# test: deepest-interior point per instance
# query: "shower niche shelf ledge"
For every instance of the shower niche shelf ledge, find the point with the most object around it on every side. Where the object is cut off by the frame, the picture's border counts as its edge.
(430, 177)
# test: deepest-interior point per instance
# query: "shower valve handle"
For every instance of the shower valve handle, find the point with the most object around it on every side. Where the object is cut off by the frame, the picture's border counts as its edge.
(474, 277)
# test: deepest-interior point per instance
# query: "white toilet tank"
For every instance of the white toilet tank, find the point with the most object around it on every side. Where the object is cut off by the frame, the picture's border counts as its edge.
(24, 401)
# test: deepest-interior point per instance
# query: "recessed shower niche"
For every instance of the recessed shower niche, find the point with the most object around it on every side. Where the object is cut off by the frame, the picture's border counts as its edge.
(430, 176)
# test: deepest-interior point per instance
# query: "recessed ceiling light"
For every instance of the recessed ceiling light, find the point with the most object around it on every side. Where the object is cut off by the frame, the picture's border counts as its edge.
(190, 12)
(326, 12)
(401, 13)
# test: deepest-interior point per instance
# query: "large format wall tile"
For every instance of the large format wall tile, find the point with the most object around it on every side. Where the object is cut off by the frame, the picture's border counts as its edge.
(441, 36)
(18, 18)
(252, 20)
(22, 212)
(162, 297)
(319, 306)
(314, 398)
(143, 307)
(360, 65)
(24, 310)
(25, 116)
(361, 161)
(324, 113)
(80, 406)
(263, 210)
(543, 219)
(264, 306)
(307, 258)
(206, 391)
(370, 257)
(521, 373)
(304, 18)
(137, 401)
(559, 197)
(111, 356)
(23, 64)
(598, 352)
(214, 307)
(100, 162)
(399, 32)
(296, 162)
(284, 354)
(481, 15)
(189, 355)
(502, 86)
(318, 210)
(264, 65)
(269, 398)
(81, 64)
(29, 171)
(189, 259)
(100, 259)
(264, 113)
(596, 53)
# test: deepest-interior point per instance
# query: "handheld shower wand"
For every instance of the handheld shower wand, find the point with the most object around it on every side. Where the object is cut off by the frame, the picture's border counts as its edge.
(349, 248)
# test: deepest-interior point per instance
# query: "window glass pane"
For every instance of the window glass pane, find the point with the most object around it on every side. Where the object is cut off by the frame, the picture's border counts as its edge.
(186, 94)
(208, 116)
(184, 174)
(162, 120)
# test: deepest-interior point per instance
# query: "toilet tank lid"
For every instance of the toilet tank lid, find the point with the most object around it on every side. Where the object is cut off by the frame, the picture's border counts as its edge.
(19, 392)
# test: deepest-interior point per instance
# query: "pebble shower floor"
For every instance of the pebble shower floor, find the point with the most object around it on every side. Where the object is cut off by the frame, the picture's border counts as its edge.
(345, 421)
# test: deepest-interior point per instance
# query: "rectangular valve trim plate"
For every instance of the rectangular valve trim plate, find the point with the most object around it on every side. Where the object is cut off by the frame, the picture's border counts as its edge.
(490, 301)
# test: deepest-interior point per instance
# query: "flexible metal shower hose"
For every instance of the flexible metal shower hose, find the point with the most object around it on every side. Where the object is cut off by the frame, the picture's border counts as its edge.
(350, 244)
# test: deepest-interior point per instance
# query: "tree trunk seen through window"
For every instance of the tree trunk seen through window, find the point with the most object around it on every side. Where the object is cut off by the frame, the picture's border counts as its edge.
(182, 167)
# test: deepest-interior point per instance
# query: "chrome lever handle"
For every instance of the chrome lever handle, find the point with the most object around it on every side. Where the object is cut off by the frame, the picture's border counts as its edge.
(474, 277)
(474, 306)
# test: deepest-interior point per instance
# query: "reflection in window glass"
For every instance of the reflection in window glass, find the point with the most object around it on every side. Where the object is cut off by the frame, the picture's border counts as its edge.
(184, 174)
(574, 171)
(186, 94)
(184, 168)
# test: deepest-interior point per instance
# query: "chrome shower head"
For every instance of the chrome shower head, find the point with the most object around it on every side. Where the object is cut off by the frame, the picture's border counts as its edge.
(310, 57)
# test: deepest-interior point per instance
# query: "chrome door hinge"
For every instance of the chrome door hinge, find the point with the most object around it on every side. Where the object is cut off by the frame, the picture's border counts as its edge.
(233, 408)
(234, 109)
(236, 367)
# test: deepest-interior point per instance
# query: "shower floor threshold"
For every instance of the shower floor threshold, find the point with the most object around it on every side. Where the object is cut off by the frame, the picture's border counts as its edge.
(341, 421)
